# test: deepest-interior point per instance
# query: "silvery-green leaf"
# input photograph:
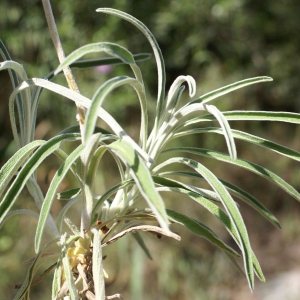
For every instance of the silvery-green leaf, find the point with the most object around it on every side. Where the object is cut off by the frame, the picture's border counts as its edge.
(158, 57)
(98, 275)
(290, 153)
(15, 162)
(220, 215)
(104, 61)
(29, 168)
(230, 206)
(110, 48)
(58, 177)
(226, 129)
(160, 180)
(239, 115)
(85, 102)
(236, 191)
(143, 179)
(98, 98)
(231, 87)
(257, 169)
(56, 283)
(110, 192)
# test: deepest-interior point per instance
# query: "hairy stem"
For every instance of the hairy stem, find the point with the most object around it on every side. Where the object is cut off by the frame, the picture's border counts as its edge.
(61, 56)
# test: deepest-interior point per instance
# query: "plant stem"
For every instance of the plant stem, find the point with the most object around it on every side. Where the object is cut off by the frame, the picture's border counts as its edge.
(85, 220)
(61, 56)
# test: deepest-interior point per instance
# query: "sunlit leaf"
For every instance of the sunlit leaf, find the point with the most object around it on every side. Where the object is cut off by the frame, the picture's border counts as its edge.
(143, 179)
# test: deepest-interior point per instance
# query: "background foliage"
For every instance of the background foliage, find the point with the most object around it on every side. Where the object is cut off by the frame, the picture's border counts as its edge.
(217, 42)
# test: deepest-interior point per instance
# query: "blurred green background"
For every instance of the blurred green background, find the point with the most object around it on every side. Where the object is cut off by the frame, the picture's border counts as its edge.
(217, 42)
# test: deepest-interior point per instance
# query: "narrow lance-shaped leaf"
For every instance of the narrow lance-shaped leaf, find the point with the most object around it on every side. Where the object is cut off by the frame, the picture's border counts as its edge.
(143, 179)
(158, 57)
(87, 186)
(24, 108)
(241, 194)
(15, 82)
(229, 88)
(230, 206)
(68, 194)
(226, 130)
(239, 115)
(290, 153)
(220, 215)
(200, 229)
(110, 48)
(100, 95)
(257, 169)
(56, 283)
(85, 102)
(29, 168)
(11, 167)
(163, 181)
(90, 63)
(172, 102)
(58, 177)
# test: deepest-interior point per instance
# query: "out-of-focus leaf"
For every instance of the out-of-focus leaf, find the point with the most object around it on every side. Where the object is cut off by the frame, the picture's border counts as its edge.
(200, 229)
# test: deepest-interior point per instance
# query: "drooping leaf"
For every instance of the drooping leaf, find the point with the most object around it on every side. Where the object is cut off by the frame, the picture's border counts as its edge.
(158, 57)
(230, 206)
(200, 229)
(257, 169)
(85, 102)
(235, 190)
(110, 48)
